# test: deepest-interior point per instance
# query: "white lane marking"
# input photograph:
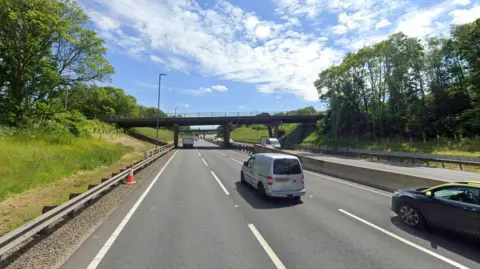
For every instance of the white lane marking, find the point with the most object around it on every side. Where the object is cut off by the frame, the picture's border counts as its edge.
(220, 183)
(96, 261)
(199, 154)
(204, 162)
(236, 161)
(386, 194)
(278, 263)
(223, 154)
(438, 256)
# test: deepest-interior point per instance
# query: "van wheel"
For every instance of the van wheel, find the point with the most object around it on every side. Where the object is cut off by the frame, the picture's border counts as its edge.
(242, 178)
(261, 191)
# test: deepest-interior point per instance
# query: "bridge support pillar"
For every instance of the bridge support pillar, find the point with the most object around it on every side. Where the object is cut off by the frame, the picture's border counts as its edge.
(270, 132)
(226, 134)
(175, 135)
(277, 127)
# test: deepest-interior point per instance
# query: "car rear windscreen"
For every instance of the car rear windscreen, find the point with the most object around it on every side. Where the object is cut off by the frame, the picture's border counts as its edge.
(286, 167)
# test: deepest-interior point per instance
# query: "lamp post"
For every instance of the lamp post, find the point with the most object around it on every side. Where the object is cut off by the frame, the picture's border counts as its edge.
(158, 106)
(175, 112)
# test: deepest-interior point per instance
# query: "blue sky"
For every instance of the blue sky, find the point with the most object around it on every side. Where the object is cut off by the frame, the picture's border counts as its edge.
(241, 55)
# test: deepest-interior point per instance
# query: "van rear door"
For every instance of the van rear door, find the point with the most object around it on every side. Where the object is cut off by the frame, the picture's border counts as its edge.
(287, 174)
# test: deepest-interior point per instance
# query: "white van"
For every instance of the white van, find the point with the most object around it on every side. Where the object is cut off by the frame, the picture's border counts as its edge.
(270, 142)
(274, 175)
(188, 141)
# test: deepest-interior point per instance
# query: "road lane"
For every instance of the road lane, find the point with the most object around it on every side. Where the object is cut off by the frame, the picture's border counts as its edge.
(186, 221)
(328, 197)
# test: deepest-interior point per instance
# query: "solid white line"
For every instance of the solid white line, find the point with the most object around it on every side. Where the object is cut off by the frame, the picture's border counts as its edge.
(220, 183)
(204, 162)
(236, 161)
(223, 154)
(438, 256)
(96, 261)
(278, 263)
(386, 194)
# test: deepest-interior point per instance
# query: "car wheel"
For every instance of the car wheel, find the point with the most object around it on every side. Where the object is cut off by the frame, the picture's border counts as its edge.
(297, 198)
(242, 178)
(411, 216)
(261, 191)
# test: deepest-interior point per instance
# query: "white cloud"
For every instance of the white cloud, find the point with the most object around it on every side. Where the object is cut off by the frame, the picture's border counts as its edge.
(220, 42)
(278, 97)
(146, 85)
(186, 105)
(201, 91)
(241, 107)
(462, 2)
(228, 43)
(419, 23)
(461, 16)
(220, 88)
(382, 23)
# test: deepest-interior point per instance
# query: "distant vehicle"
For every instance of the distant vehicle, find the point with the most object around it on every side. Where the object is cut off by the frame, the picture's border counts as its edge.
(231, 140)
(452, 206)
(188, 141)
(218, 139)
(274, 175)
(270, 142)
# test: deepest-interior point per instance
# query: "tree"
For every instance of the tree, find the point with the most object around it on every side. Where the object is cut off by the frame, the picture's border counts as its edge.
(44, 50)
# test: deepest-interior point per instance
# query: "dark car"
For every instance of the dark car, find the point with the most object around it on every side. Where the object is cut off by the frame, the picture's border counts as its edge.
(452, 206)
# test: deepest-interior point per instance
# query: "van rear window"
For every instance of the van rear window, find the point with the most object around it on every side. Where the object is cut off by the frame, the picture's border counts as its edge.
(286, 167)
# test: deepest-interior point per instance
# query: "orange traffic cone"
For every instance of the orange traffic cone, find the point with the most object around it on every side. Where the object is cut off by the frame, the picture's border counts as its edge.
(130, 178)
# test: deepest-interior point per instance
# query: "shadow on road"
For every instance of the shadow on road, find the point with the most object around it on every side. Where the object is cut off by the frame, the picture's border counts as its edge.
(250, 195)
(454, 242)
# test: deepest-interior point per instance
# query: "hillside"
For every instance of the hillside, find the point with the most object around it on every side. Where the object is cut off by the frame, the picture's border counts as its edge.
(58, 162)
(164, 135)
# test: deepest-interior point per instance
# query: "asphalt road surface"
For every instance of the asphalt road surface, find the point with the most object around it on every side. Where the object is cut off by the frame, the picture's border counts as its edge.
(443, 174)
(196, 214)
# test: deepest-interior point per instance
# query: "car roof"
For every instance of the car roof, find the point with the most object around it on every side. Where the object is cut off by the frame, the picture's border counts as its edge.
(277, 155)
(469, 183)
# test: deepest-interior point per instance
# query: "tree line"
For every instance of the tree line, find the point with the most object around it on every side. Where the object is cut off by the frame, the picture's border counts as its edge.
(50, 62)
(406, 87)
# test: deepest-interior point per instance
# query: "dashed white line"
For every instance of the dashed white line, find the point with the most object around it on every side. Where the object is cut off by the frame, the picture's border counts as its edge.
(278, 263)
(236, 161)
(438, 256)
(199, 154)
(386, 194)
(204, 162)
(96, 261)
(223, 154)
(220, 183)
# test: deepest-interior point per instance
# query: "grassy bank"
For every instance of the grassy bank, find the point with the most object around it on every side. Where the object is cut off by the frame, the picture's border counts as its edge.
(164, 135)
(442, 146)
(250, 134)
(42, 167)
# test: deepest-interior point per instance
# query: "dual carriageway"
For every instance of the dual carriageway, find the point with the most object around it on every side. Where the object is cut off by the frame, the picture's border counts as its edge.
(193, 212)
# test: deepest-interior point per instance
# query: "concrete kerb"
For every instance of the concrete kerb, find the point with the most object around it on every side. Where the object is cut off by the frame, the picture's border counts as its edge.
(389, 181)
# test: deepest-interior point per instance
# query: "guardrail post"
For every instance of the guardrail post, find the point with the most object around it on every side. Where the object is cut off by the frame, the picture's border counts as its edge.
(461, 167)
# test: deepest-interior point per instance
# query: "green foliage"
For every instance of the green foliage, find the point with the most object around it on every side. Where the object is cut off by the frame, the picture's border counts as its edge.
(164, 135)
(44, 49)
(402, 88)
(49, 161)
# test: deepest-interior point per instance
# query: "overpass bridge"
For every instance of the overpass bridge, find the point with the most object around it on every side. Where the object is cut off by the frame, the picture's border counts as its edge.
(227, 119)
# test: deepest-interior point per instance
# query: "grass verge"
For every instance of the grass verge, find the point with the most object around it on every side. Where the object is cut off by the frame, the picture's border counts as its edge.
(164, 135)
(36, 173)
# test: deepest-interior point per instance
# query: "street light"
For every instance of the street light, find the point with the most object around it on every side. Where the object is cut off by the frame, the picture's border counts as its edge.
(175, 112)
(158, 106)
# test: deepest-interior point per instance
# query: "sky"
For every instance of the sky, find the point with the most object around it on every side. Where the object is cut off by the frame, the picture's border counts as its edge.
(250, 55)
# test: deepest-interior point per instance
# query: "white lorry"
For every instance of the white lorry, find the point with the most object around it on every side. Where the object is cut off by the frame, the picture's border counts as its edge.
(188, 141)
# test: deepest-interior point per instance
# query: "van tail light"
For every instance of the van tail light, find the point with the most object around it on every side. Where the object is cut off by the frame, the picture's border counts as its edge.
(269, 180)
(303, 179)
